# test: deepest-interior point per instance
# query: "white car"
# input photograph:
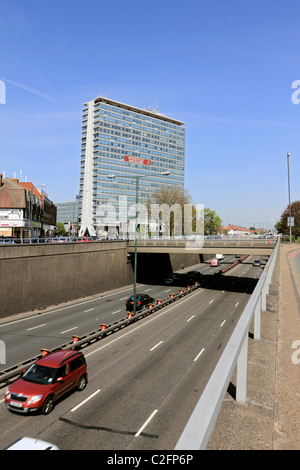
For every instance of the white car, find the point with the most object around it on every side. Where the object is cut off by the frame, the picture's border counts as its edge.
(30, 443)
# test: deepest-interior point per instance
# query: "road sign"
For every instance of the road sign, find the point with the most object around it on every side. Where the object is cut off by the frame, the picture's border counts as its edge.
(291, 221)
(137, 160)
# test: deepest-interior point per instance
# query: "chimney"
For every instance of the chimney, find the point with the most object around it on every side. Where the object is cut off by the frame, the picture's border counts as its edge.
(0, 180)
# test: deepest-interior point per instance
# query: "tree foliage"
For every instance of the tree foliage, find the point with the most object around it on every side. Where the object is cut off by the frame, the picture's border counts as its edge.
(172, 195)
(282, 225)
(212, 222)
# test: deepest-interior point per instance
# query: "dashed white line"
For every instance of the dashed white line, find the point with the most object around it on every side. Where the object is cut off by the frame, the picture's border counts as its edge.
(211, 301)
(223, 322)
(197, 357)
(156, 345)
(117, 311)
(191, 318)
(89, 310)
(38, 326)
(145, 424)
(66, 331)
(123, 298)
(84, 401)
(236, 304)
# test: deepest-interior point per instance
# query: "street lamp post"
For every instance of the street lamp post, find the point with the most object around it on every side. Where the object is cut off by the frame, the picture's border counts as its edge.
(137, 179)
(290, 218)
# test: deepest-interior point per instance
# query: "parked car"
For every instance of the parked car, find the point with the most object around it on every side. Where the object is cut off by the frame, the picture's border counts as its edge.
(47, 380)
(256, 262)
(142, 300)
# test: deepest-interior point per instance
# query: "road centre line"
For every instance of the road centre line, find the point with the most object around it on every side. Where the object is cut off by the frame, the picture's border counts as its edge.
(89, 310)
(223, 322)
(84, 401)
(191, 318)
(146, 422)
(197, 357)
(66, 331)
(211, 301)
(117, 311)
(236, 304)
(34, 327)
(123, 298)
(156, 345)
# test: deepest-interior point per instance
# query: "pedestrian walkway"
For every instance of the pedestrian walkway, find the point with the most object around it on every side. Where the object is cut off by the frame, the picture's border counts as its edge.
(270, 418)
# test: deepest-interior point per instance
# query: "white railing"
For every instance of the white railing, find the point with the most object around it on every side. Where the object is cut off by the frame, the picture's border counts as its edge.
(198, 429)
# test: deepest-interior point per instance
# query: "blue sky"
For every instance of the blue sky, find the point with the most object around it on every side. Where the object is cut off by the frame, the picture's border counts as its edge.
(224, 67)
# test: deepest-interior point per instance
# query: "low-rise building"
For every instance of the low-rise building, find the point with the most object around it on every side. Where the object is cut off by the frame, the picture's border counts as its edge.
(24, 211)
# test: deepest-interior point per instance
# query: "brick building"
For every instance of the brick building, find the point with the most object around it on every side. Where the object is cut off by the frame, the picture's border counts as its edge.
(24, 211)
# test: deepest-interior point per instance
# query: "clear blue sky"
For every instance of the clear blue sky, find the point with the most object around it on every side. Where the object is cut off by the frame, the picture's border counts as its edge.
(224, 67)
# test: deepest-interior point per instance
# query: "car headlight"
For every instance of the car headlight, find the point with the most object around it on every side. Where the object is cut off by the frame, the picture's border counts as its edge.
(34, 399)
(7, 393)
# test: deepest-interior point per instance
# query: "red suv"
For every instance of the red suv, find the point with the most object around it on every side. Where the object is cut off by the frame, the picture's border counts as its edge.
(45, 381)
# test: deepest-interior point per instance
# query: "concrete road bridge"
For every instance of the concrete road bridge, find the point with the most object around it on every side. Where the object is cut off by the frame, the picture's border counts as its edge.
(245, 246)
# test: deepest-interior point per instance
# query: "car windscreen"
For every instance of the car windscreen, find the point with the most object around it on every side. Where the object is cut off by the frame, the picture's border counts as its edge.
(39, 374)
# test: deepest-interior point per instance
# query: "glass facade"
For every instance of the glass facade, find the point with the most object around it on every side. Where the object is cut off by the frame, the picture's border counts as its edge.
(113, 135)
(67, 212)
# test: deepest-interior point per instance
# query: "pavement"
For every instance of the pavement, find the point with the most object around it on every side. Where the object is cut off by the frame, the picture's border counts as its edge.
(270, 417)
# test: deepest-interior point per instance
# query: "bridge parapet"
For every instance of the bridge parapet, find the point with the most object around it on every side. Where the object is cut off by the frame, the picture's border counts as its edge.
(209, 246)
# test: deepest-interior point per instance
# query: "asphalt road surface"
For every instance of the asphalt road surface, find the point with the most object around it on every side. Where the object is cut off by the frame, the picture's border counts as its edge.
(144, 380)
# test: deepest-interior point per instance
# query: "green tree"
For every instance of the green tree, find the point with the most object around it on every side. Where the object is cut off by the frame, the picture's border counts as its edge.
(212, 222)
(282, 224)
(60, 228)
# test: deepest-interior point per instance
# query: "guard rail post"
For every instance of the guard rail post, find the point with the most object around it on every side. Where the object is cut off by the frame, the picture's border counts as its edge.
(241, 372)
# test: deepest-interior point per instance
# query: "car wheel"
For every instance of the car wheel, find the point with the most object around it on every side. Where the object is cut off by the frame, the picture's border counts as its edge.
(82, 383)
(48, 405)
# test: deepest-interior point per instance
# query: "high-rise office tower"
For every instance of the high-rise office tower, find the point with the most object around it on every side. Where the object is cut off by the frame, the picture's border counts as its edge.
(125, 142)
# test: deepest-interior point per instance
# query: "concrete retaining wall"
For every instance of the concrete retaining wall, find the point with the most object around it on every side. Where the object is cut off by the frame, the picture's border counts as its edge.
(38, 276)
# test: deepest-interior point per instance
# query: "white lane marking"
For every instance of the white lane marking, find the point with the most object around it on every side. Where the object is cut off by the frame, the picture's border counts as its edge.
(84, 401)
(143, 324)
(68, 306)
(146, 422)
(197, 357)
(123, 298)
(146, 290)
(66, 331)
(191, 318)
(38, 326)
(168, 290)
(89, 310)
(156, 345)
(223, 322)
(117, 311)
(211, 301)
(236, 304)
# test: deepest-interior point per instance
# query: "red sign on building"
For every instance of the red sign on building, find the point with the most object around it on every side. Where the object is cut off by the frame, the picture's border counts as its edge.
(137, 160)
